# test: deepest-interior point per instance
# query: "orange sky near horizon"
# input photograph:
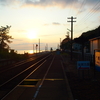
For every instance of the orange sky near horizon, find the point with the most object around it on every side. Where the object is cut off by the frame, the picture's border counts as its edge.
(46, 20)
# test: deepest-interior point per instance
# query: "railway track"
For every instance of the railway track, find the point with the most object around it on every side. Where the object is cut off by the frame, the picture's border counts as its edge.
(14, 75)
(9, 71)
(43, 80)
(10, 66)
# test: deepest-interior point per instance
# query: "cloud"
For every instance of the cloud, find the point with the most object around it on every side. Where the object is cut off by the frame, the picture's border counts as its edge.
(46, 24)
(38, 3)
(11, 2)
(6, 2)
(46, 35)
(92, 1)
(21, 46)
(75, 4)
(18, 39)
(48, 3)
(21, 31)
(95, 5)
(56, 23)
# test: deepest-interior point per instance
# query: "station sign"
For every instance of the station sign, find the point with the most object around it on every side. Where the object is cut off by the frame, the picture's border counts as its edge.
(97, 58)
(97, 61)
(82, 65)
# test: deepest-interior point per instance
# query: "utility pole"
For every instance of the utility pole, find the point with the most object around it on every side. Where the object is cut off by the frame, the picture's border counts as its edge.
(71, 32)
(36, 48)
(60, 44)
(33, 48)
(47, 46)
(39, 45)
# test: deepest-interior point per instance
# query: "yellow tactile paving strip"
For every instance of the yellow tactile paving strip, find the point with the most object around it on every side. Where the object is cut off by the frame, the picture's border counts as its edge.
(33, 80)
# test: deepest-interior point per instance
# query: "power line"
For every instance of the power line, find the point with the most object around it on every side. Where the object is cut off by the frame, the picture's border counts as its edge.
(71, 9)
(90, 14)
(92, 11)
(81, 7)
(86, 16)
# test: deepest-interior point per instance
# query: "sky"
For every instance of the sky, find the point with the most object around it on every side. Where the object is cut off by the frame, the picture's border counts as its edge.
(47, 20)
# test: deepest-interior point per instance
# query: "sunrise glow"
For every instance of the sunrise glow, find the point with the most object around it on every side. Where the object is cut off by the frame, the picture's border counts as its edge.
(31, 51)
(32, 35)
(47, 20)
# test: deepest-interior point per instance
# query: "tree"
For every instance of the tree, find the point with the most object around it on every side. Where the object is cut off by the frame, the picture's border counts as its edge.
(66, 43)
(4, 37)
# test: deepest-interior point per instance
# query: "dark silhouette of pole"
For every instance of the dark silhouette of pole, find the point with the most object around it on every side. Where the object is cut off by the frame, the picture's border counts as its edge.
(33, 48)
(47, 46)
(36, 48)
(60, 44)
(39, 45)
(71, 33)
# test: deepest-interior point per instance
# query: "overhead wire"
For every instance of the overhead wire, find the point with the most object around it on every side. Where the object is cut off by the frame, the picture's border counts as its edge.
(71, 9)
(90, 14)
(82, 4)
(89, 17)
(93, 10)
(90, 11)
(81, 7)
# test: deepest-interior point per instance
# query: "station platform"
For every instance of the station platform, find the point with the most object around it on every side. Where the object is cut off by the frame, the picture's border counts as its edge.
(54, 86)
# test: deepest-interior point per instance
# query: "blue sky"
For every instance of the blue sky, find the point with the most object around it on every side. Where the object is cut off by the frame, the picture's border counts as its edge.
(47, 20)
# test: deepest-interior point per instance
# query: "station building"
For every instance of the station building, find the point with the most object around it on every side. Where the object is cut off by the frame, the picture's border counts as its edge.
(94, 44)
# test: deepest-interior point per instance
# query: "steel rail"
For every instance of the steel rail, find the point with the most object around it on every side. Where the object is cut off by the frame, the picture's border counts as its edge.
(43, 61)
(20, 63)
(23, 79)
(22, 71)
(44, 77)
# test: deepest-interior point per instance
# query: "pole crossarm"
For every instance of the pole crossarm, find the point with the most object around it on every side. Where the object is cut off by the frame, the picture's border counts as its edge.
(71, 21)
(71, 17)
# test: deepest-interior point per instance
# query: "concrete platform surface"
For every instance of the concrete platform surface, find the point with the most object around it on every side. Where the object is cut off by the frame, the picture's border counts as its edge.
(54, 87)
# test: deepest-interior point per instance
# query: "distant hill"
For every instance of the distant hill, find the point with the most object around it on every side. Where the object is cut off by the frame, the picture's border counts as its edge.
(83, 39)
(91, 34)
(88, 35)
